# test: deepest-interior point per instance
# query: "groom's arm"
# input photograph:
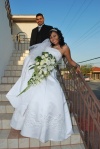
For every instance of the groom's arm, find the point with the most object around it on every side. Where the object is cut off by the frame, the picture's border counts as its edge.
(33, 37)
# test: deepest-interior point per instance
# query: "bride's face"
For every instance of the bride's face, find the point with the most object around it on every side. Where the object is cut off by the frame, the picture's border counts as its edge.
(54, 38)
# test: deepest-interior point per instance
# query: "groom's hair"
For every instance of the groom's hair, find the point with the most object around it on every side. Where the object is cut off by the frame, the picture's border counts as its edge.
(39, 14)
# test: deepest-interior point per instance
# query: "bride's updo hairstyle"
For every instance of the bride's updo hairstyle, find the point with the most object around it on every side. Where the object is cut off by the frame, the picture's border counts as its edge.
(61, 38)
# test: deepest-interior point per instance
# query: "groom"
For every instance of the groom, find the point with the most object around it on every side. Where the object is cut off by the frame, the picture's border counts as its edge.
(41, 32)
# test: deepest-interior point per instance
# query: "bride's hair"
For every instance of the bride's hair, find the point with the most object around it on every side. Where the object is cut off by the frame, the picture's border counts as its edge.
(61, 38)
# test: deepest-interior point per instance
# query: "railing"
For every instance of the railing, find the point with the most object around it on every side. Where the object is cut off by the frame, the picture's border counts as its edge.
(21, 43)
(8, 9)
(84, 105)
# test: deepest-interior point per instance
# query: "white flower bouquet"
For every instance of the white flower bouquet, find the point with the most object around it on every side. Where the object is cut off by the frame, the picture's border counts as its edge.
(43, 66)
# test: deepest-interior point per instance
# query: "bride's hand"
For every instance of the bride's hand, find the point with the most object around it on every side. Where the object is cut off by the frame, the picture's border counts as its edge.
(78, 69)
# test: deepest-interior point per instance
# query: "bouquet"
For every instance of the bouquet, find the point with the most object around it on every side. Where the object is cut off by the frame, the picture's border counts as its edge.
(43, 66)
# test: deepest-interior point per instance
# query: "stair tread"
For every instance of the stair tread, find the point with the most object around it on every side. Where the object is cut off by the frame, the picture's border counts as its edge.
(10, 114)
(5, 116)
(17, 64)
(13, 134)
(4, 103)
(12, 70)
(10, 76)
(13, 65)
(7, 83)
(70, 146)
(3, 92)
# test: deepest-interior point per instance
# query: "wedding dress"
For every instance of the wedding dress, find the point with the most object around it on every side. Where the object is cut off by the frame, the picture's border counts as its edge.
(41, 112)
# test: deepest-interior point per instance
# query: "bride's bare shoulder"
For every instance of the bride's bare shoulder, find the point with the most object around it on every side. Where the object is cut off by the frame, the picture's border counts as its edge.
(65, 47)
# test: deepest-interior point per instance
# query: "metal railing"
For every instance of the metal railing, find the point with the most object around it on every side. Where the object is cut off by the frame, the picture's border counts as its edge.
(84, 105)
(9, 15)
(21, 43)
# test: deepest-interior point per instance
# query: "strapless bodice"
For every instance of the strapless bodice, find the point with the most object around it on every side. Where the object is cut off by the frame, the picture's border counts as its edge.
(56, 53)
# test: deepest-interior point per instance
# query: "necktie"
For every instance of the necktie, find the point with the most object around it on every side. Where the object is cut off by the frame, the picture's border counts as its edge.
(39, 28)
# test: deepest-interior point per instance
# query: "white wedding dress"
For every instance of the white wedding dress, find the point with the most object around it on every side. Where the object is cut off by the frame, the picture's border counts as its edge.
(41, 112)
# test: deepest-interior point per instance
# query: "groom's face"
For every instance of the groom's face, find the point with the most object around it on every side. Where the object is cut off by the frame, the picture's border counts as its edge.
(39, 20)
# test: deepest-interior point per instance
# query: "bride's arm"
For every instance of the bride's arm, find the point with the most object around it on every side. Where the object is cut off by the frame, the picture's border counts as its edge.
(67, 54)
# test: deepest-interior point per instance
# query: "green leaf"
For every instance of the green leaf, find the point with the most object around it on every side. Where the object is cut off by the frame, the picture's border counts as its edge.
(31, 68)
(24, 90)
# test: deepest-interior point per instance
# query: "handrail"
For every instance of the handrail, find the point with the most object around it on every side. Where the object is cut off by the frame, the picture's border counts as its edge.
(84, 105)
(8, 9)
(21, 43)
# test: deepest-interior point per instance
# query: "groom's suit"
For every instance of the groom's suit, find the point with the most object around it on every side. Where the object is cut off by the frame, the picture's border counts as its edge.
(40, 36)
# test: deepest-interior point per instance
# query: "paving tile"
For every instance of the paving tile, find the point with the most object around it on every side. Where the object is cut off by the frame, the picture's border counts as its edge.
(45, 147)
(13, 134)
(3, 143)
(82, 145)
(56, 147)
(34, 142)
(77, 146)
(45, 144)
(3, 138)
(34, 148)
(12, 143)
(23, 142)
(4, 134)
(75, 139)
(67, 141)
(66, 147)
(54, 143)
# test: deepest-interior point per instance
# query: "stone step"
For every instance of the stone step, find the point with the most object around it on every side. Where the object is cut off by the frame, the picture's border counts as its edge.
(17, 58)
(14, 67)
(19, 54)
(76, 146)
(5, 107)
(5, 118)
(6, 87)
(16, 62)
(22, 46)
(13, 73)
(21, 51)
(3, 96)
(11, 139)
(9, 79)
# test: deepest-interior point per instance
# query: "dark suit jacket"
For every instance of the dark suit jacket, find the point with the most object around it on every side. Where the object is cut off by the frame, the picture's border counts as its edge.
(38, 37)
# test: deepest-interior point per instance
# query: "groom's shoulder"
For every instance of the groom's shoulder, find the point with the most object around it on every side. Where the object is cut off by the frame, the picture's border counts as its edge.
(34, 29)
(48, 26)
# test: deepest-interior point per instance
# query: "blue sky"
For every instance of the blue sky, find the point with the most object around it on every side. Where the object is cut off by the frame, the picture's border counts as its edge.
(79, 21)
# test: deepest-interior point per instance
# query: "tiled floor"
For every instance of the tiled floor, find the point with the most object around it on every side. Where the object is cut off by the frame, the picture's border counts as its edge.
(78, 146)
(12, 139)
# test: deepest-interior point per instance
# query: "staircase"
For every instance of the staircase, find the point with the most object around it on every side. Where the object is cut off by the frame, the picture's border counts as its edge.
(10, 138)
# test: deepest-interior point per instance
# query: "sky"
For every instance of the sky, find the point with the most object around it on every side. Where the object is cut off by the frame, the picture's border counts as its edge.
(79, 21)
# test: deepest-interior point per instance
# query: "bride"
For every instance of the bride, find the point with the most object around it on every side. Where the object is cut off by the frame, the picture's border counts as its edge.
(42, 112)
